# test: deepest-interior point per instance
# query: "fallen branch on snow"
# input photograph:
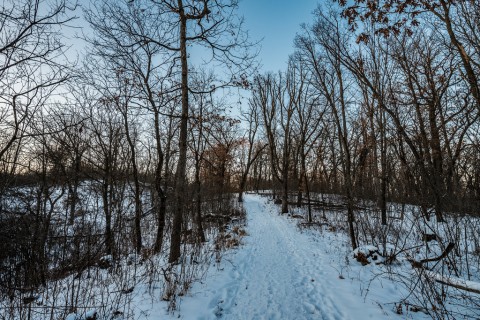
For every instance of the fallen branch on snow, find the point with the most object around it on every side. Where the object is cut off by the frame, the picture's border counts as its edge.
(458, 283)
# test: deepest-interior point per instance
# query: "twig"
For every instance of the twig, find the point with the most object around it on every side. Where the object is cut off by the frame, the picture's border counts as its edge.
(419, 264)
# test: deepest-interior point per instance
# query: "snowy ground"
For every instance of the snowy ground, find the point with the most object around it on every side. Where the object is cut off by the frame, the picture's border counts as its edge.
(282, 273)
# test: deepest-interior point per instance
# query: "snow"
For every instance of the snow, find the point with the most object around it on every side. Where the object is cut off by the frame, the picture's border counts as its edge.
(282, 270)
(89, 315)
(278, 273)
(464, 284)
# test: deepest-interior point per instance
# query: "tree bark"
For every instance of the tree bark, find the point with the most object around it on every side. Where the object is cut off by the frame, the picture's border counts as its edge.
(180, 176)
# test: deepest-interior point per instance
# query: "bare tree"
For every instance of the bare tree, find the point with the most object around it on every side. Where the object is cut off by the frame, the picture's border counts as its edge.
(331, 81)
(254, 148)
(391, 17)
(274, 96)
(31, 67)
(210, 24)
(106, 160)
(167, 27)
(308, 119)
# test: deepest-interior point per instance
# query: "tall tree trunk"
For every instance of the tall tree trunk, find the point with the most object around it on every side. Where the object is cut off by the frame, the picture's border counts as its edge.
(161, 196)
(285, 192)
(200, 234)
(383, 161)
(470, 73)
(301, 182)
(136, 182)
(109, 242)
(350, 212)
(286, 165)
(243, 182)
(73, 187)
(180, 178)
(306, 186)
(161, 209)
(437, 164)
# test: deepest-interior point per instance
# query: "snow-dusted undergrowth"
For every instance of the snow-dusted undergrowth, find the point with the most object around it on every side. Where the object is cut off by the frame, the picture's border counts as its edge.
(284, 268)
(79, 280)
(287, 269)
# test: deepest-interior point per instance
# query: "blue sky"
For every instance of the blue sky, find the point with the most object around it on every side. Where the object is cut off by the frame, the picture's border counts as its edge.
(276, 22)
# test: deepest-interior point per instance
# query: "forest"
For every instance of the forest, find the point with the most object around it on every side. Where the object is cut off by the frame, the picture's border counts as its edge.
(129, 161)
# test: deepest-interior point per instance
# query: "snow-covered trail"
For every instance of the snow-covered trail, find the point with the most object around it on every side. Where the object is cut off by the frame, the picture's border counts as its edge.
(278, 273)
(279, 276)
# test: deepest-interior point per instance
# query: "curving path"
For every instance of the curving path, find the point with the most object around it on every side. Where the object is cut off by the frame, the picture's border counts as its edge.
(278, 273)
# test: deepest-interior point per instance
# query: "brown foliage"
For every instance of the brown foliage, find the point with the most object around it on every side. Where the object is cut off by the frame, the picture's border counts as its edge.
(391, 17)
